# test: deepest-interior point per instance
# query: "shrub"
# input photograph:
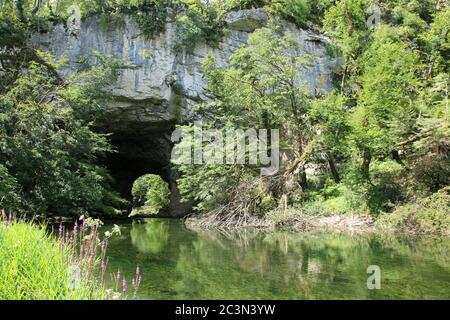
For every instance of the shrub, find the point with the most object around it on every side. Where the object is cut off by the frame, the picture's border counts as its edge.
(151, 16)
(428, 215)
(8, 186)
(202, 21)
(296, 11)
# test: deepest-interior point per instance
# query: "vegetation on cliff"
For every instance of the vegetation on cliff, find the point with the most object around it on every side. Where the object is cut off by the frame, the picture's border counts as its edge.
(48, 149)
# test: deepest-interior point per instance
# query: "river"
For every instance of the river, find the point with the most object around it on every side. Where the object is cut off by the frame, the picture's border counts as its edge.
(178, 263)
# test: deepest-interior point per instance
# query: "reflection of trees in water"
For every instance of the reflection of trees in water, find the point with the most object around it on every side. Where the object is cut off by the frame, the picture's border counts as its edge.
(150, 237)
(278, 264)
(253, 264)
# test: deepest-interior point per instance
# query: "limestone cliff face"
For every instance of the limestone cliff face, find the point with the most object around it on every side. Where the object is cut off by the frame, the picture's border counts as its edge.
(158, 85)
(146, 86)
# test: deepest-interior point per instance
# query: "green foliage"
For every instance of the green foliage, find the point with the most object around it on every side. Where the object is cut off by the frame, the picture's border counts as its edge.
(428, 215)
(202, 21)
(48, 145)
(333, 198)
(385, 111)
(151, 193)
(210, 185)
(345, 21)
(243, 4)
(431, 168)
(258, 87)
(8, 190)
(331, 121)
(296, 11)
(151, 15)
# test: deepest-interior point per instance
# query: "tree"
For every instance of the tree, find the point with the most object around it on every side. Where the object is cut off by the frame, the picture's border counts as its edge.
(331, 122)
(48, 145)
(386, 112)
(346, 23)
(261, 89)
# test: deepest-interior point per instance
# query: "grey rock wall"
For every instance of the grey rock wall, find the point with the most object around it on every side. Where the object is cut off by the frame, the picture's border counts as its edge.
(145, 89)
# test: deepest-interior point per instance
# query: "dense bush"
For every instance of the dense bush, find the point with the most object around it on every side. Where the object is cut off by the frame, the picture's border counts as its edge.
(296, 11)
(427, 215)
(8, 190)
(201, 21)
(151, 15)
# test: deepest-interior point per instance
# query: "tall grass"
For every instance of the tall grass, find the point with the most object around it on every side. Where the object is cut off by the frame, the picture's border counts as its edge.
(35, 265)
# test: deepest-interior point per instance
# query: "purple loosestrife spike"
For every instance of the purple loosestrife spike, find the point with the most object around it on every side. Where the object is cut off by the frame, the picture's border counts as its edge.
(118, 275)
(104, 245)
(103, 266)
(75, 231)
(124, 285)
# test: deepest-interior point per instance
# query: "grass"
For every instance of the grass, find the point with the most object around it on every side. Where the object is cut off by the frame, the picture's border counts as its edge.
(35, 265)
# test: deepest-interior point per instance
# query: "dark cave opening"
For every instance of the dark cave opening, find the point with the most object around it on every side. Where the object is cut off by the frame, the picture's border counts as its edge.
(139, 152)
(135, 156)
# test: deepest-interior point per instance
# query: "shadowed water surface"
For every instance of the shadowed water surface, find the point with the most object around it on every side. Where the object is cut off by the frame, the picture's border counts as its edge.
(178, 263)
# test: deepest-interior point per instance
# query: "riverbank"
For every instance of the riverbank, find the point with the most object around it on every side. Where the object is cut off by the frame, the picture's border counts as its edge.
(295, 221)
(429, 216)
(68, 263)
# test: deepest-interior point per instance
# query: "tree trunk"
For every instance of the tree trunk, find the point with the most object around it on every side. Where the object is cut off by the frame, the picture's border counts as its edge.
(302, 179)
(333, 169)
(367, 158)
(396, 156)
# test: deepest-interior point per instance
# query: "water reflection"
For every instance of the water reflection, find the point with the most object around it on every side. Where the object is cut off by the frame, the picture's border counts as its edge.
(150, 237)
(182, 264)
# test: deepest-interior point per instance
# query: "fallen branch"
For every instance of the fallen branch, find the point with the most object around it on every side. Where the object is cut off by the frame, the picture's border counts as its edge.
(416, 137)
(302, 159)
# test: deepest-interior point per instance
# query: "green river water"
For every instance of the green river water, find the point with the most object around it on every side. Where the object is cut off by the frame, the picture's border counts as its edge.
(178, 263)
